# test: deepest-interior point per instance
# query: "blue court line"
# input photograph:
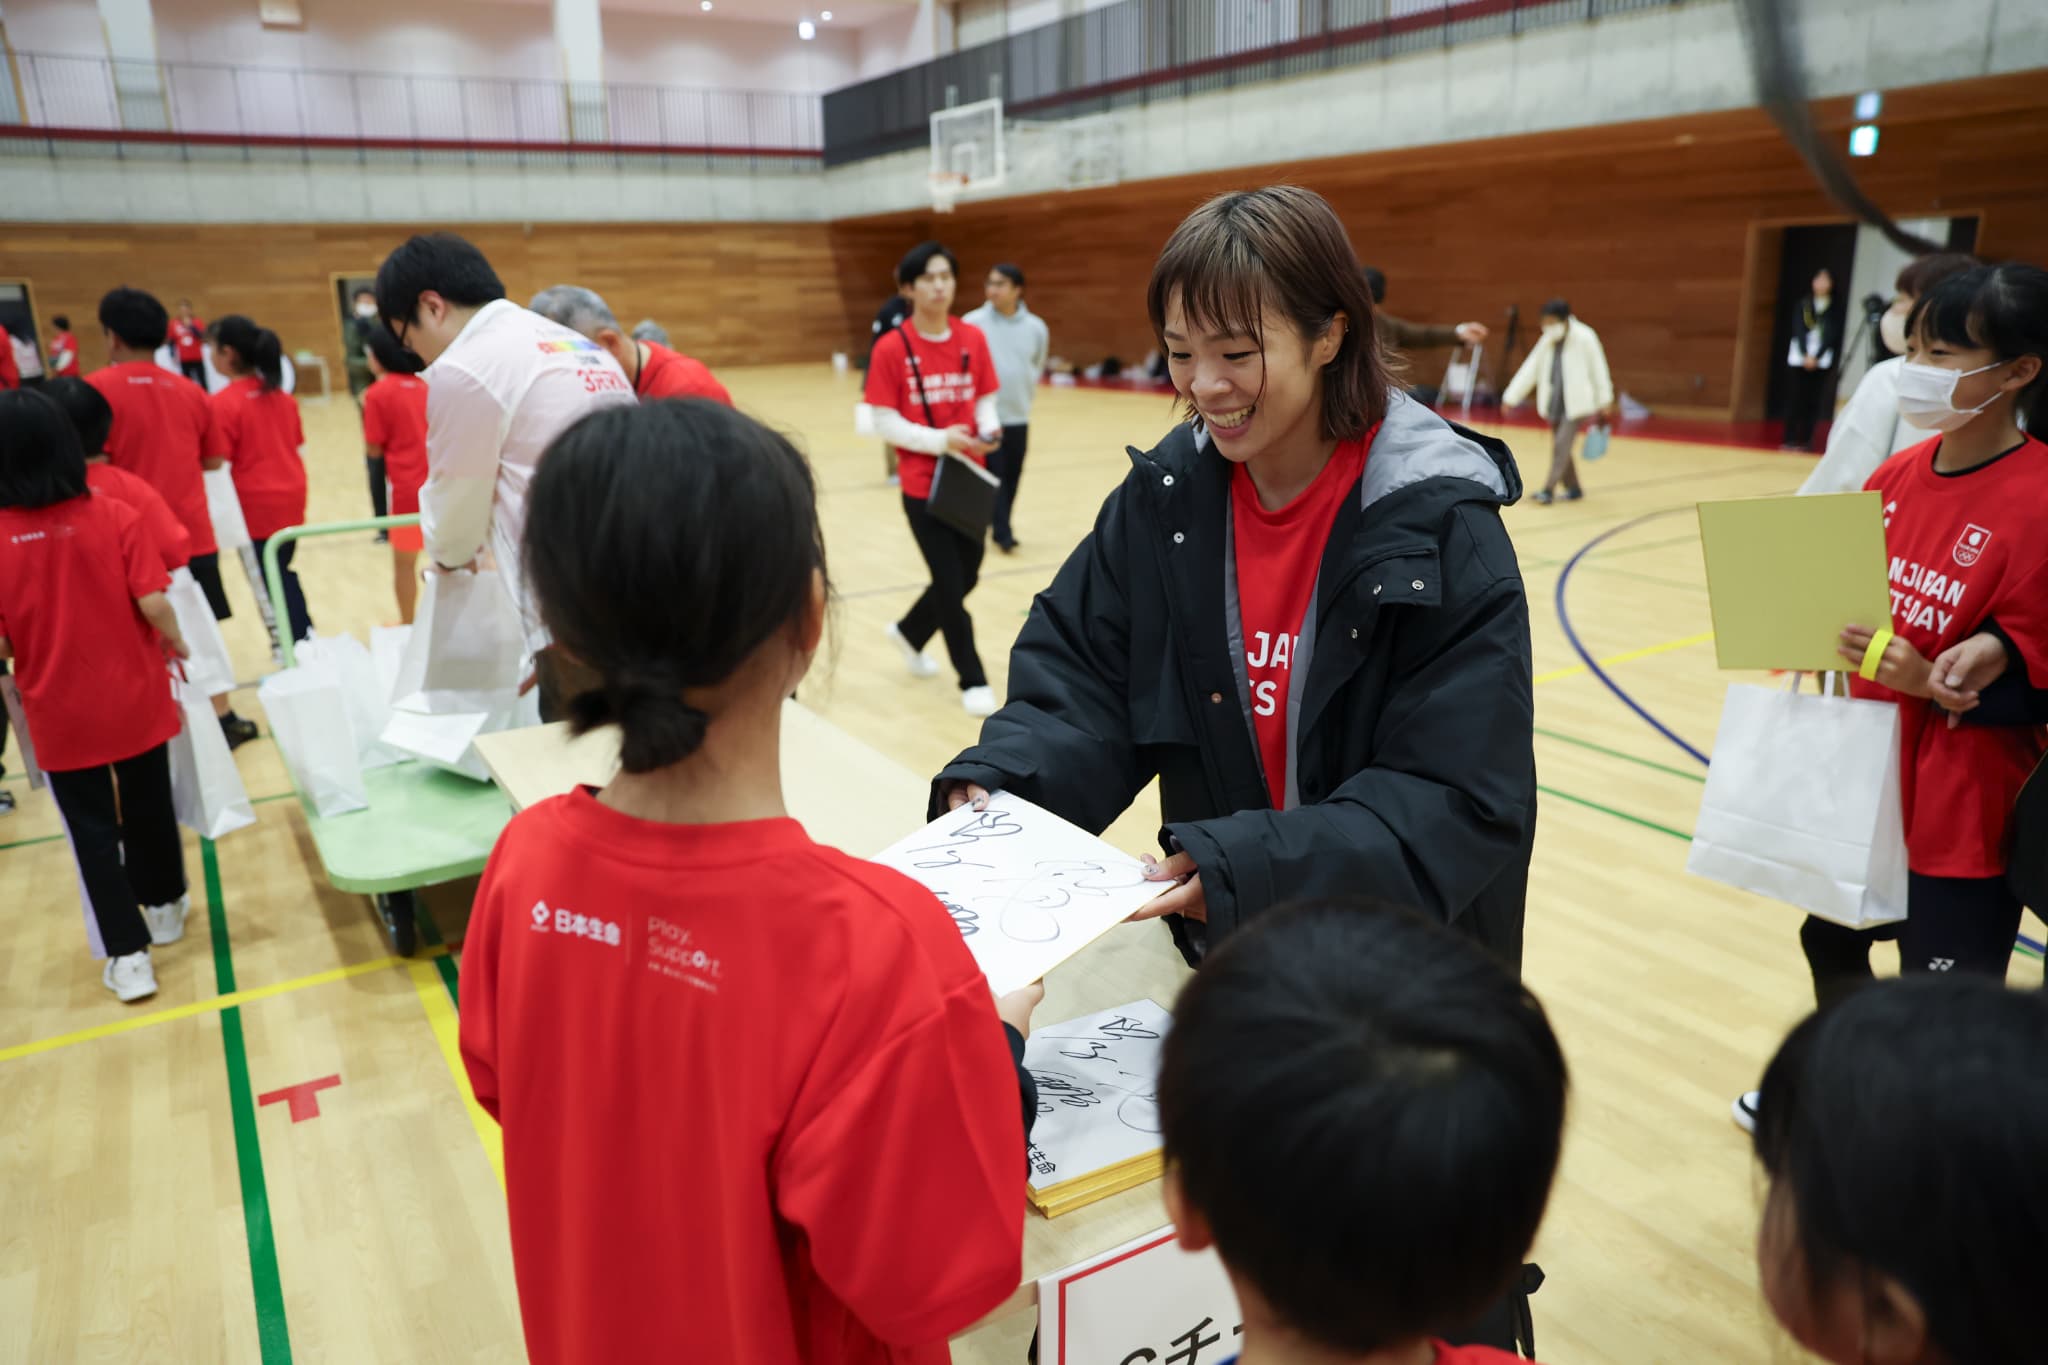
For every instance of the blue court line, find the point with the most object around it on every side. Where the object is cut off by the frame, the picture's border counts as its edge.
(1564, 619)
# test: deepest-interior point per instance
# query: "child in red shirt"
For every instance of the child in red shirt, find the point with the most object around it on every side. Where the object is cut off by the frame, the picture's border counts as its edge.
(63, 349)
(1964, 519)
(84, 618)
(187, 335)
(755, 1093)
(1901, 1133)
(256, 430)
(395, 436)
(931, 392)
(1395, 1112)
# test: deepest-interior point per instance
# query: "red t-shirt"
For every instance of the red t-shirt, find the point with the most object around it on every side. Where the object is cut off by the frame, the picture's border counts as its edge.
(957, 373)
(755, 1098)
(670, 374)
(257, 431)
(395, 417)
(159, 435)
(166, 532)
(93, 681)
(189, 338)
(1279, 555)
(1964, 547)
(10, 369)
(1447, 1354)
(63, 354)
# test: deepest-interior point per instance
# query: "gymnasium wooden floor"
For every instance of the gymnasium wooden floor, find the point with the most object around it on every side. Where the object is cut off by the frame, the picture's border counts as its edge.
(155, 1211)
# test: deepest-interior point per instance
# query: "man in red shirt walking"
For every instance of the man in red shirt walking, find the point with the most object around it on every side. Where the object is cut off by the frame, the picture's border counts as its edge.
(656, 371)
(188, 339)
(63, 349)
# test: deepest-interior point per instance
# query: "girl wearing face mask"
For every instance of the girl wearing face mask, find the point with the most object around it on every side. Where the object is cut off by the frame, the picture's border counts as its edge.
(1868, 431)
(1965, 513)
(1300, 613)
(1567, 371)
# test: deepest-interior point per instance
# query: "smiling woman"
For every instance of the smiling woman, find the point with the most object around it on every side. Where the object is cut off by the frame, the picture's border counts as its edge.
(1300, 613)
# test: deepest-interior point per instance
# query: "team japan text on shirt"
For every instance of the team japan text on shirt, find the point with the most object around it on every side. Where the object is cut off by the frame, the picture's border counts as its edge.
(956, 387)
(1268, 660)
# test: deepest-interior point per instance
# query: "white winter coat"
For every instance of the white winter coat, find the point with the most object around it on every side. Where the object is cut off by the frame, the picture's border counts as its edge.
(1588, 387)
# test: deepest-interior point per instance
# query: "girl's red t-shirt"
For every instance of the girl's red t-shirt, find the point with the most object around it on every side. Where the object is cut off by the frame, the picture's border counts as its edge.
(94, 684)
(1963, 548)
(172, 540)
(257, 431)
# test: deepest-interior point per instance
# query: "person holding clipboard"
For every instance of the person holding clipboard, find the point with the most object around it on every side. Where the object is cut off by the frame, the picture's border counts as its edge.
(931, 393)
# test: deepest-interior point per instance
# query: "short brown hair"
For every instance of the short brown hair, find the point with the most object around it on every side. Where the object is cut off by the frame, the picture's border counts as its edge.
(1922, 273)
(1281, 245)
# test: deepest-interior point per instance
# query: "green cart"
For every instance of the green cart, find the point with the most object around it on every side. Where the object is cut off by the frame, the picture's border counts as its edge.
(423, 827)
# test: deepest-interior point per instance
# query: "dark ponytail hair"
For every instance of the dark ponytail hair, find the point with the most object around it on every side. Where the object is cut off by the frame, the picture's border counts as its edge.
(258, 347)
(2000, 308)
(665, 544)
(1903, 1130)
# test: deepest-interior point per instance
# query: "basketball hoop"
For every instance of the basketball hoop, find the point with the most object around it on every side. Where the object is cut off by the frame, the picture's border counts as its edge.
(947, 187)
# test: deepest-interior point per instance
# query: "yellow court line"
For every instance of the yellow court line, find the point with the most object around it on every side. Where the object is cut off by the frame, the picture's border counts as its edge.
(198, 1007)
(1633, 654)
(426, 983)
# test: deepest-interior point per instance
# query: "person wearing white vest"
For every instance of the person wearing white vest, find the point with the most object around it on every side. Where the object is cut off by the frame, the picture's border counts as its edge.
(1567, 371)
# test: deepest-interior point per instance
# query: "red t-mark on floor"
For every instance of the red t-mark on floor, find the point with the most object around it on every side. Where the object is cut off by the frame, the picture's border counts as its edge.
(304, 1098)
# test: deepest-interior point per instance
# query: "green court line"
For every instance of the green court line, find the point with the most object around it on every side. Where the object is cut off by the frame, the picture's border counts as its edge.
(445, 964)
(272, 1334)
(1617, 814)
(1687, 774)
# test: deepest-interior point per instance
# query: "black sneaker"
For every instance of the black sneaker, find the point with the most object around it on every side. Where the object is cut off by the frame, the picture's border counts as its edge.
(238, 730)
(1744, 1111)
(1573, 495)
(6, 803)
(1008, 547)
(1540, 499)
(383, 537)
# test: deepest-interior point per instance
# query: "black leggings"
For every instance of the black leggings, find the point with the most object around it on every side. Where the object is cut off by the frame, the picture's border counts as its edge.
(1955, 924)
(124, 833)
(297, 618)
(377, 485)
(955, 564)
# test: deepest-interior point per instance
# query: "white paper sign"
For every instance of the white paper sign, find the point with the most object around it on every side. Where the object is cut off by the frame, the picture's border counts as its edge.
(1098, 1082)
(1027, 889)
(1146, 1302)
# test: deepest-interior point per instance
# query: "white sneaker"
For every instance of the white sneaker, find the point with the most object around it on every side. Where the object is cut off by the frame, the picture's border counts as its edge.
(167, 922)
(978, 701)
(1744, 1111)
(130, 978)
(915, 660)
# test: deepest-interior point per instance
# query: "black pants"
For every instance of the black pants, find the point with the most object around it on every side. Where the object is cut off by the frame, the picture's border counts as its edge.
(1008, 464)
(124, 834)
(1954, 924)
(955, 564)
(195, 370)
(377, 486)
(1804, 390)
(295, 612)
(206, 573)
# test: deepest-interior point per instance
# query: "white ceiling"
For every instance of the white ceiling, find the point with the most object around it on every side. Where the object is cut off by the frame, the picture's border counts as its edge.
(845, 13)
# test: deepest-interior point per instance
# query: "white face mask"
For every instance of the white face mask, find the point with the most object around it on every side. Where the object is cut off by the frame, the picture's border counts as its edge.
(1554, 331)
(366, 310)
(1891, 328)
(1927, 396)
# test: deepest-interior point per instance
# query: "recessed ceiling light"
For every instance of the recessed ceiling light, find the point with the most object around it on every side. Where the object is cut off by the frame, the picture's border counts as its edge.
(826, 16)
(806, 30)
(705, 6)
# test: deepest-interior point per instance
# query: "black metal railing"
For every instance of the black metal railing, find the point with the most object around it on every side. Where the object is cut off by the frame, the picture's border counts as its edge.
(96, 98)
(1138, 51)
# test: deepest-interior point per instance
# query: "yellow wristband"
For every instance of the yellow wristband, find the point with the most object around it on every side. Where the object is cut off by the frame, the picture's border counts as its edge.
(1874, 655)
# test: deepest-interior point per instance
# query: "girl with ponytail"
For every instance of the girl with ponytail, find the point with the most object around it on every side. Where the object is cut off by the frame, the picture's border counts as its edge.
(741, 1075)
(255, 428)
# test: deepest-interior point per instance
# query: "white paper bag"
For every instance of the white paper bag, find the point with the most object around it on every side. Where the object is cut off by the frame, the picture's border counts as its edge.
(387, 653)
(309, 719)
(209, 669)
(229, 529)
(366, 696)
(206, 786)
(447, 739)
(1802, 805)
(17, 720)
(467, 651)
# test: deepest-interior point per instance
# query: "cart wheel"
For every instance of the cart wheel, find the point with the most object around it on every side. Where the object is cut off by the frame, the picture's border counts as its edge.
(395, 908)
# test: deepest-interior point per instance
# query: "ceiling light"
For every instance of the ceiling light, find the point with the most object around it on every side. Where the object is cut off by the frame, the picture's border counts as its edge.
(806, 30)
(705, 6)
(826, 16)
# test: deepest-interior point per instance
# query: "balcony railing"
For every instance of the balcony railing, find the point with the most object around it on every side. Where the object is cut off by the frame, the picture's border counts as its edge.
(194, 104)
(1138, 51)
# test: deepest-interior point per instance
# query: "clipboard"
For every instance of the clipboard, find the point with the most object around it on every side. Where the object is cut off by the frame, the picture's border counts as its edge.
(1786, 574)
